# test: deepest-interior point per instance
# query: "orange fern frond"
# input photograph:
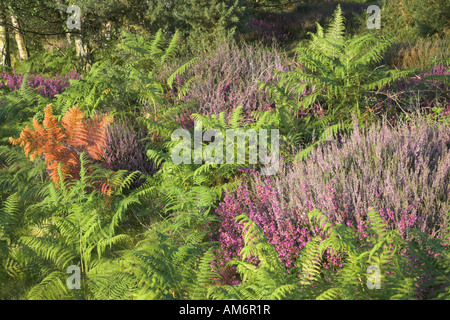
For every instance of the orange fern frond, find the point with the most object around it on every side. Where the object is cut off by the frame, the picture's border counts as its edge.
(62, 143)
(52, 129)
(73, 123)
(96, 140)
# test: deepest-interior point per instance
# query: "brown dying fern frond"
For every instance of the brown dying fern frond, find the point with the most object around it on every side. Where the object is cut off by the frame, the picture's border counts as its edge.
(65, 141)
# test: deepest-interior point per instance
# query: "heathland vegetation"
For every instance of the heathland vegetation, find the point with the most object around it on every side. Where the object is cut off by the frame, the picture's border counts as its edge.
(92, 205)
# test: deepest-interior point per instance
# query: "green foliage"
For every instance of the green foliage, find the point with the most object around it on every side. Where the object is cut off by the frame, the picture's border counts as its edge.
(196, 187)
(138, 63)
(187, 194)
(202, 21)
(72, 225)
(90, 93)
(411, 18)
(164, 271)
(334, 72)
(144, 63)
(21, 105)
(268, 278)
(19, 174)
(30, 179)
(56, 61)
(340, 70)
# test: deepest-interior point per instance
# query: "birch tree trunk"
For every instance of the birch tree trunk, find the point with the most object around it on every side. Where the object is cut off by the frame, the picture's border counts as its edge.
(81, 47)
(68, 38)
(82, 51)
(107, 31)
(63, 15)
(23, 53)
(4, 47)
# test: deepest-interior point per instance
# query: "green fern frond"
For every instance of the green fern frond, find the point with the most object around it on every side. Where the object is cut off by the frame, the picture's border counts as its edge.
(51, 287)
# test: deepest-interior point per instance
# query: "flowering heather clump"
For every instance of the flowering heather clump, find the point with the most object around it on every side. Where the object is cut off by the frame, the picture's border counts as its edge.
(403, 172)
(263, 203)
(125, 149)
(13, 81)
(405, 169)
(228, 76)
(46, 87)
(288, 236)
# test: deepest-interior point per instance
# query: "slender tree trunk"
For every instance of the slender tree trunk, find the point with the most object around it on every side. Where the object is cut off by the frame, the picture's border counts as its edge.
(107, 31)
(4, 45)
(82, 51)
(23, 53)
(81, 47)
(63, 15)
(68, 38)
